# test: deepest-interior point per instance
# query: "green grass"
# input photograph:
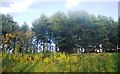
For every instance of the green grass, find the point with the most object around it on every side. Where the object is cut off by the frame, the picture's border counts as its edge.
(61, 62)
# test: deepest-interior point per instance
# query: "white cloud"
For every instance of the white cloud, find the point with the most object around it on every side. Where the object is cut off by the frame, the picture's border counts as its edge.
(16, 6)
(100, 0)
(72, 3)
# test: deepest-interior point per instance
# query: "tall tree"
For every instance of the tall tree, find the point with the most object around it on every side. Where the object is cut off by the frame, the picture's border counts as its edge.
(24, 27)
(41, 29)
(77, 28)
(8, 24)
(119, 31)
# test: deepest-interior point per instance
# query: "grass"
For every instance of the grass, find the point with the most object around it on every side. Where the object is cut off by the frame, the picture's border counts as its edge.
(61, 62)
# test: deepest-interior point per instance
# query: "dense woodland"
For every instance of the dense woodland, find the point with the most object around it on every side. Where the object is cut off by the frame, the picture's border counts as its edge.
(66, 30)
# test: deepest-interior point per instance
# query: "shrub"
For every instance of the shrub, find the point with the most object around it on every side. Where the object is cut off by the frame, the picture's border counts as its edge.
(36, 58)
(46, 60)
(17, 48)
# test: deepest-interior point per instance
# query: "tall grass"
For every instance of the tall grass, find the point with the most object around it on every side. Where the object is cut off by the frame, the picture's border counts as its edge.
(60, 62)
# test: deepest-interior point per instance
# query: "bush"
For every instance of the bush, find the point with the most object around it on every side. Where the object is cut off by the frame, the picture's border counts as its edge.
(61, 62)
(36, 58)
(17, 48)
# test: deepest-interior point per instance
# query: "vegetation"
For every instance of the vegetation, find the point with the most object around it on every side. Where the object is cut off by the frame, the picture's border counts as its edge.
(60, 62)
(77, 27)
(119, 32)
(20, 44)
(65, 30)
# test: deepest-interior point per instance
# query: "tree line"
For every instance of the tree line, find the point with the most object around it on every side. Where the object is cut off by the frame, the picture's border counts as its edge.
(66, 30)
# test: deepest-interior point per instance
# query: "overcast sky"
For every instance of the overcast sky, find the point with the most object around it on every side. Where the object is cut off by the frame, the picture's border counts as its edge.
(29, 10)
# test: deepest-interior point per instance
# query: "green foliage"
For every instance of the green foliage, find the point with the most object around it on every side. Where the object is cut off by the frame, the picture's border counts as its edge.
(66, 30)
(40, 27)
(24, 27)
(60, 62)
(17, 40)
(17, 48)
(119, 32)
(77, 27)
(8, 24)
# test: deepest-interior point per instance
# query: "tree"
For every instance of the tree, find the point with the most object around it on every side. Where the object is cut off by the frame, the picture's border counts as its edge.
(108, 32)
(14, 37)
(59, 28)
(8, 24)
(118, 32)
(24, 27)
(41, 29)
(76, 28)
(66, 30)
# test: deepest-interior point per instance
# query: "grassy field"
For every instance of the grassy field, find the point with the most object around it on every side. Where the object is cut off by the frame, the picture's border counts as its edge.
(60, 62)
